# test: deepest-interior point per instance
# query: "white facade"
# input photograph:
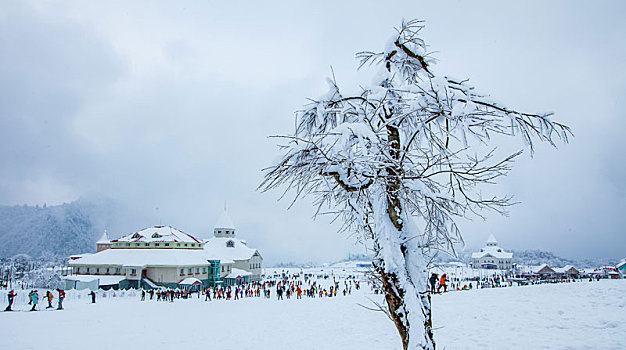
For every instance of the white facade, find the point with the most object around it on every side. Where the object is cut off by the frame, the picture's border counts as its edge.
(167, 256)
(234, 254)
(492, 257)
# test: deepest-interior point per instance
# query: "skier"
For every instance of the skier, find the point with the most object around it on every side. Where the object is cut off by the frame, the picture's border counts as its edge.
(93, 297)
(11, 297)
(35, 299)
(50, 297)
(143, 295)
(442, 283)
(61, 298)
(433, 282)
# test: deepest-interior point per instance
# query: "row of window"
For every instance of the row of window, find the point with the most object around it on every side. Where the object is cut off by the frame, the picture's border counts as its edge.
(117, 270)
(96, 270)
(255, 266)
(227, 268)
(189, 270)
(193, 245)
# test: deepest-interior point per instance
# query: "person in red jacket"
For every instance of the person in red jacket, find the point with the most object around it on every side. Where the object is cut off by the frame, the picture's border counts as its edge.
(61, 298)
(442, 283)
(10, 297)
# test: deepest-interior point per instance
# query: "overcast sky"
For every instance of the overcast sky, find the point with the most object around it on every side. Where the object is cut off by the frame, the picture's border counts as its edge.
(169, 104)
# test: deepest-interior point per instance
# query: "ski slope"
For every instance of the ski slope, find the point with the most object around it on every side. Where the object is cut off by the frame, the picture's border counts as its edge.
(582, 315)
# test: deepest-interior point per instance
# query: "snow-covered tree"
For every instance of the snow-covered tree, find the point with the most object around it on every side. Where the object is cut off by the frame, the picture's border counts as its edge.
(400, 161)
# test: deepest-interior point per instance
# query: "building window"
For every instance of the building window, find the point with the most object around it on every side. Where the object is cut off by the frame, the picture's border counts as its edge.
(133, 271)
(128, 244)
(197, 270)
(146, 244)
(77, 269)
(219, 231)
(137, 244)
(156, 235)
(136, 235)
(222, 268)
(185, 244)
(204, 270)
(193, 244)
(178, 244)
(167, 244)
(156, 244)
(230, 244)
(189, 270)
(182, 271)
(117, 270)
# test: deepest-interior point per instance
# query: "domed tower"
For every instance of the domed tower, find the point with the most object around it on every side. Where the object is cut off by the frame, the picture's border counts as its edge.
(224, 226)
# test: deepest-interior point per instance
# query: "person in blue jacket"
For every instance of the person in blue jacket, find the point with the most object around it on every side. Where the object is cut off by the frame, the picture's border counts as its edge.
(35, 297)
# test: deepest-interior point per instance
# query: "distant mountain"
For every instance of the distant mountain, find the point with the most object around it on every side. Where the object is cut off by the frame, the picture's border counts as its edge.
(537, 257)
(59, 230)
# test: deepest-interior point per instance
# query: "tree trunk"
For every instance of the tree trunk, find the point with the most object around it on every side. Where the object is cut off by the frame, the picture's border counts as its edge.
(404, 276)
(395, 296)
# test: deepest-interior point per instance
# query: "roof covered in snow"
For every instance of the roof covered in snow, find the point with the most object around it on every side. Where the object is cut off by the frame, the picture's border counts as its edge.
(144, 257)
(158, 234)
(236, 273)
(104, 280)
(543, 268)
(224, 221)
(190, 281)
(494, 251)
(227, 248)
(104, 239)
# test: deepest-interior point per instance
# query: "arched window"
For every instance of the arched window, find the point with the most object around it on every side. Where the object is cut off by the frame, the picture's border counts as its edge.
(230, 244)
(136, 235)
(156, 235)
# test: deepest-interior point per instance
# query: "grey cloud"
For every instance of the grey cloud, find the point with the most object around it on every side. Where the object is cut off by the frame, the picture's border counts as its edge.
(168, 105)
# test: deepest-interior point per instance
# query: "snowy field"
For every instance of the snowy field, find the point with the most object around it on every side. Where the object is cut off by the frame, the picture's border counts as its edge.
(582, 315)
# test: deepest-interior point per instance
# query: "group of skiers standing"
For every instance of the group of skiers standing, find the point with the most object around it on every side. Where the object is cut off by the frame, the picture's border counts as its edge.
(443, 283)
(33, 299)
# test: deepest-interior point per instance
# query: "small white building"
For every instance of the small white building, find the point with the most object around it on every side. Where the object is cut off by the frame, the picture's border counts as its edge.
(492, 257)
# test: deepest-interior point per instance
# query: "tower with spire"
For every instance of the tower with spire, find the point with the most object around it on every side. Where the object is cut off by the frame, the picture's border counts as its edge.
(224, 226)
(103, 243)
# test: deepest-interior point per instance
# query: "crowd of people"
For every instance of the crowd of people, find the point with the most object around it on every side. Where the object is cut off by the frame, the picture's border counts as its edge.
(283, 286)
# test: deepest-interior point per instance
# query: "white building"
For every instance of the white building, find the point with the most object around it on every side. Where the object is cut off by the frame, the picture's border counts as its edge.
(166, 256)
(158, 255)
(240, 263)
(492, 257)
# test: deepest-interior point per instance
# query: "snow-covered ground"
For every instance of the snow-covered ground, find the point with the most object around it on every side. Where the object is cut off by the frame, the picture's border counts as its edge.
(582, 315)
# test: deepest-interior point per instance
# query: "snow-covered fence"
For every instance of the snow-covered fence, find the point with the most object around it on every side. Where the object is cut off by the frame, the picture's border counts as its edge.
(70, 295)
